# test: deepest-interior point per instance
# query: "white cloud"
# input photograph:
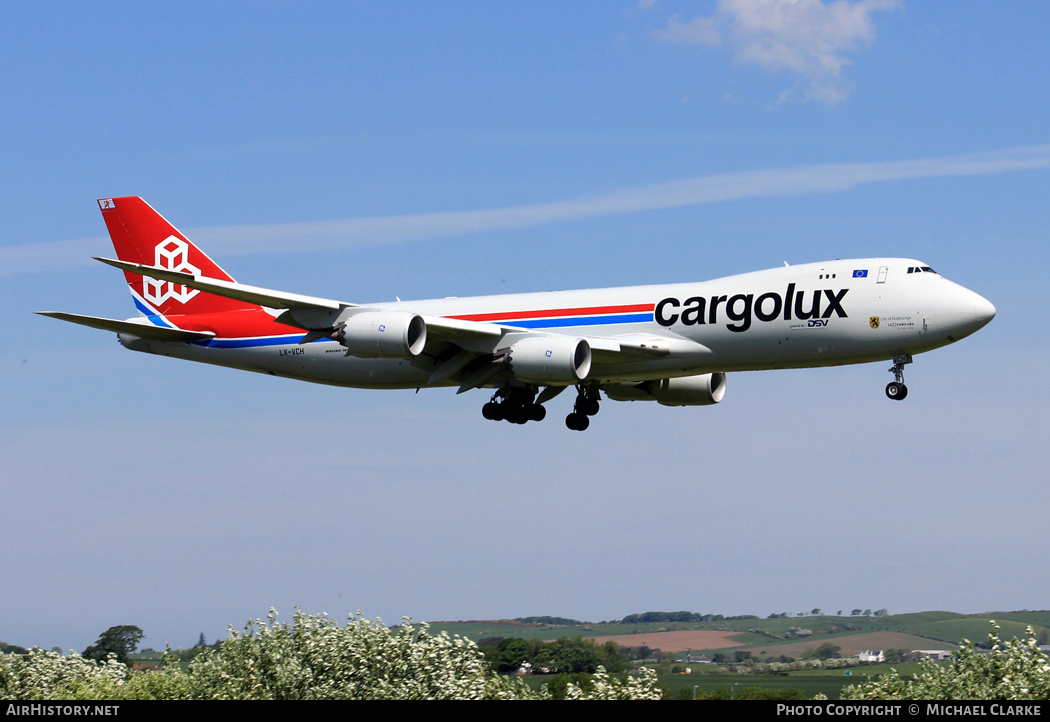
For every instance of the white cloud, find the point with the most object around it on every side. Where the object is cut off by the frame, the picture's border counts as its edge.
(809, 38)
(389, 230)
(700, 30)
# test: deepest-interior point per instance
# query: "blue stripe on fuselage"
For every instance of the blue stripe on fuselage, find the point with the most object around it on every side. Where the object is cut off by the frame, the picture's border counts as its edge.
(520, 323)
(581, 321)
(150, 314)
(254, 342)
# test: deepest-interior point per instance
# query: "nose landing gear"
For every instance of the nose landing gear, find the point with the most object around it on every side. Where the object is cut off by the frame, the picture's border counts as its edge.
(896, 389)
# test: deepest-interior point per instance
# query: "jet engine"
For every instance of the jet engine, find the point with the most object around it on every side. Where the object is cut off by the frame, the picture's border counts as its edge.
(383, 334)
(702, 390)
(550, 359)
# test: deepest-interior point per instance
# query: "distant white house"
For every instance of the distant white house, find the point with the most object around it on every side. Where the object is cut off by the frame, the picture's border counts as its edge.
(934, 654)
(872, 657)
(696, 659)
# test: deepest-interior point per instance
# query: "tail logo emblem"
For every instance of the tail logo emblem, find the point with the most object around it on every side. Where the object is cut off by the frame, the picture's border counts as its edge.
(173, 254)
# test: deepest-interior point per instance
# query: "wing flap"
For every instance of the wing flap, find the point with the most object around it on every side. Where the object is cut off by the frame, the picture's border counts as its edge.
(638, 347)
(453, 329)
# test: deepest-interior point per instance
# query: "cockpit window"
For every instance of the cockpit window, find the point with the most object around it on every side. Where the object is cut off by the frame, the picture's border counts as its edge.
(920, 269)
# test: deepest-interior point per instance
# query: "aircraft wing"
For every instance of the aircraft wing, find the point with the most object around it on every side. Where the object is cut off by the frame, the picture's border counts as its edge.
(307, 312)
(318, 316)
(141, 328)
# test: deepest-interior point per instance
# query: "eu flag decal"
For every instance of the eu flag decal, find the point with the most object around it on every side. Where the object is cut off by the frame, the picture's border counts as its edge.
(860, 274)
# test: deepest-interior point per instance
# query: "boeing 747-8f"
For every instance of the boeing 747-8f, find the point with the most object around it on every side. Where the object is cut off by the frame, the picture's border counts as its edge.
(673, 344)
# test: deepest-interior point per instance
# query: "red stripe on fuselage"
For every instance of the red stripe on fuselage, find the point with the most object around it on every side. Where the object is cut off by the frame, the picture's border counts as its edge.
(555, 312)
(253, 322)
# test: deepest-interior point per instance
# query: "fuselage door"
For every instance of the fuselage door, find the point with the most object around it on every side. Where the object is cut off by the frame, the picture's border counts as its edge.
(883, 270)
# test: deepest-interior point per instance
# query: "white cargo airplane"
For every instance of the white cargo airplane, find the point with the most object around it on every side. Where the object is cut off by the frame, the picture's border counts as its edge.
(672, 344)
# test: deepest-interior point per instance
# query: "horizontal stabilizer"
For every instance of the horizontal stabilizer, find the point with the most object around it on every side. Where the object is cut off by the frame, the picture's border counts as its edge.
(228, 289)
(142, 329)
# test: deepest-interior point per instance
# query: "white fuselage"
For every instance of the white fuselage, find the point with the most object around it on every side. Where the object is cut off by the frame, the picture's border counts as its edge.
(821, 314)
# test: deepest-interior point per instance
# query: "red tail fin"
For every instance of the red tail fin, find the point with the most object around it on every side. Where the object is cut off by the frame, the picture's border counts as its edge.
(141, 235)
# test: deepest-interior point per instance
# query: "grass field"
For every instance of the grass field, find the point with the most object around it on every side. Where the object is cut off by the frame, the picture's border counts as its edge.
(924, 630)
(808, 684)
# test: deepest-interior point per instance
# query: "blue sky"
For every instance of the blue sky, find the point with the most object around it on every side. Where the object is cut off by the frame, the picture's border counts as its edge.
(365, 150)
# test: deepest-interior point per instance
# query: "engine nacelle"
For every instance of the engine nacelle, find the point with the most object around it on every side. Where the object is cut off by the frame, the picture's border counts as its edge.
(701, 390)
(383, 334)
(550, 359)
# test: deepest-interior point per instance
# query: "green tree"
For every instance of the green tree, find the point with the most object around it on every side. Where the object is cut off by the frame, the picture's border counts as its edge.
(571, 654)
(512, 652)
(121, 641)
(6, 648)
(612, 658)
(896, 656)
(825, 651)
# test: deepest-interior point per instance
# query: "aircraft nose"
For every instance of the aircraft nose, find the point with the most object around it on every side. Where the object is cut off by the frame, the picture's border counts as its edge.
(955, 312)
(959, 311)
(984, 311)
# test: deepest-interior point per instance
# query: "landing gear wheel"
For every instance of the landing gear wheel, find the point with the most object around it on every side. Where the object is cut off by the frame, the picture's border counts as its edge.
(577, 421)
(587, 397)
(587, 406)
(896, 391)
(517, 415)
(516, 405)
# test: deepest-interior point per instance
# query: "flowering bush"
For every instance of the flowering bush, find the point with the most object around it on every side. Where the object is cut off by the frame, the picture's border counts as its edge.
(315, 658)
(1014, 670)
(41, 675)
(605, 687)
(311, 658)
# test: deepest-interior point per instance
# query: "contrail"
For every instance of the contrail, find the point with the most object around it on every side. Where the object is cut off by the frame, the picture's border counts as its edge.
(388, 230)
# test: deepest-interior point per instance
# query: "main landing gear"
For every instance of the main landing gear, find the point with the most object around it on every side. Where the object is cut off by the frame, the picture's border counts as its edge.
(518, 405)
(514, 404)
(586, 405)
(896, 389)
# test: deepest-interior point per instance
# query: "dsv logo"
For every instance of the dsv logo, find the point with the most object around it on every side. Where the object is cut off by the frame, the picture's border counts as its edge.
(742, 308)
